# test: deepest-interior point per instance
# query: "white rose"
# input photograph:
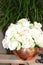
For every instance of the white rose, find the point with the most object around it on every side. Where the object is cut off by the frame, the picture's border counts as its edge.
(12, 45)
(24, 22)
(18, 28)
(40, 41)
(37, 25)
(11, 31)
(25, 31)
(5, 43)
(18, 37)
(35, 33)
(27, 42)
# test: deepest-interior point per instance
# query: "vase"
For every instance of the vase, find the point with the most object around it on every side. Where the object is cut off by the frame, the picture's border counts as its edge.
(26, 54)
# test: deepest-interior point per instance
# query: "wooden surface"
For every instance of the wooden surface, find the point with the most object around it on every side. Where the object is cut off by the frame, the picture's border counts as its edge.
(4, 58)
(10, 59)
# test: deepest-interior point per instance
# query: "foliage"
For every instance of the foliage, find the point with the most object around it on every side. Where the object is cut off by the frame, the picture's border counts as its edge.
(13, 10)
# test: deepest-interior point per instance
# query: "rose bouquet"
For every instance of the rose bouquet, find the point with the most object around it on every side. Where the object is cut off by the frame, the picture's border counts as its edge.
(23, 34)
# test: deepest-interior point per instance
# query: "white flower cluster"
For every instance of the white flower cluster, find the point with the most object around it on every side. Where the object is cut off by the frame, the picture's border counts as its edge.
(23, 34)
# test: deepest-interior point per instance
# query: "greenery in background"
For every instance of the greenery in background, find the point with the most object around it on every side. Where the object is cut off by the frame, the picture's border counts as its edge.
(13, 10)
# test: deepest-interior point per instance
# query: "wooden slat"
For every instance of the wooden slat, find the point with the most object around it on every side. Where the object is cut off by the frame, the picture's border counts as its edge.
(12, 59)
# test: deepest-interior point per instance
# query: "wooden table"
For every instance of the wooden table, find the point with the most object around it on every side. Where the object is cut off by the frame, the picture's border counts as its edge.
(13, 60)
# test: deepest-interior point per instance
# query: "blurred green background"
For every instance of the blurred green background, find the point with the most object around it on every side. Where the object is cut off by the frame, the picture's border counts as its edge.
(13, 10)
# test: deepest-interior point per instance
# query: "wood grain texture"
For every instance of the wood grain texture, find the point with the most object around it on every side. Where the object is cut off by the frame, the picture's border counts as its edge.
(13, 60)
